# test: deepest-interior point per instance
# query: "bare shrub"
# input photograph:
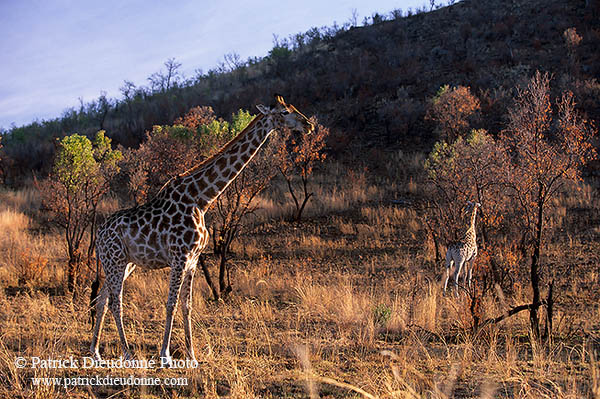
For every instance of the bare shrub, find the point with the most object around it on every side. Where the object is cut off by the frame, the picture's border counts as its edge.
(297, 158)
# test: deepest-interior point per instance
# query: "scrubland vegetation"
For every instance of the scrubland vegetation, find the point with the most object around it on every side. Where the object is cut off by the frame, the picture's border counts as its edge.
(348, 301)
(340, 295)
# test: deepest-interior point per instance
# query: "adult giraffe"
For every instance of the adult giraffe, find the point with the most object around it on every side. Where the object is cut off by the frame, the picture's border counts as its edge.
(169, 230)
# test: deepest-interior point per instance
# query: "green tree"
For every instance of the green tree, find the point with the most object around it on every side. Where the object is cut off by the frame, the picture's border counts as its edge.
(79, 180)
(471, 169)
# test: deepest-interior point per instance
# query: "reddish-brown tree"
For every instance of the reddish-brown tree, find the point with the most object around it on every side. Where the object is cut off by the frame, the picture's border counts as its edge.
(168, 151)
(196, 117)
(547, 150)
(296, 157)
(515, 178)
(452, 109)
(229, 216)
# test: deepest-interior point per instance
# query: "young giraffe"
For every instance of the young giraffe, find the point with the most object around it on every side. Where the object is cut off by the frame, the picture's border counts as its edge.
(463, 252)
(169, 230)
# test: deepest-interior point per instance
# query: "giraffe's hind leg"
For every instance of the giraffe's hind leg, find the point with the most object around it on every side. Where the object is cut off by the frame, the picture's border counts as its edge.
(100, 314)
(115, 294)
(112, 258)
(459, 267)
(186, 307)
(449, 263)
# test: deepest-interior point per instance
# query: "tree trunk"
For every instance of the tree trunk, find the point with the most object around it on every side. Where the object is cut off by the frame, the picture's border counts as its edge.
(208, 278)
(307, 196)
(291, 191)
(475, 310)
(436, 244)
(535, 273)
(549, 312)
(73, 271)
(92, 246)
(224, 286)
(301, 209)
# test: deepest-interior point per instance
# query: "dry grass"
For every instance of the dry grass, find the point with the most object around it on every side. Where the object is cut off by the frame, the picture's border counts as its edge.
(346, 305)
(26, 255)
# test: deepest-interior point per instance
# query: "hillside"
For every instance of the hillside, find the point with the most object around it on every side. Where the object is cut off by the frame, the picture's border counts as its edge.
(371, 85)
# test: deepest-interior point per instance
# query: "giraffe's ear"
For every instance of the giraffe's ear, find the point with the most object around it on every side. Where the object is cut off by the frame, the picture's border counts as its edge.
(263, 110)
(279, 99)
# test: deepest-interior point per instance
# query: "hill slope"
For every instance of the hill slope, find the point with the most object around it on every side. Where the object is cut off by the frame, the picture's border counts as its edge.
(370, 84)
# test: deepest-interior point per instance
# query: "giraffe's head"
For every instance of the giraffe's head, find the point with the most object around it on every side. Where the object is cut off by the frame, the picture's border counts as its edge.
(286, 115)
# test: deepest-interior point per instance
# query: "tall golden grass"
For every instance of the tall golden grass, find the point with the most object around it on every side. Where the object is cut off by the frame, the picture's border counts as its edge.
(347, 304)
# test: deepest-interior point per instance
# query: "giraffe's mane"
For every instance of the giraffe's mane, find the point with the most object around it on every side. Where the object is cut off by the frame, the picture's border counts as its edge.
(224, 149)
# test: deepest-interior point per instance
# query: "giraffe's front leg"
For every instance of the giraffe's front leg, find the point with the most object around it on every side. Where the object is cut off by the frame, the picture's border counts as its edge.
(471, 263)
(174, 289)
(459, 267)
(186, 307)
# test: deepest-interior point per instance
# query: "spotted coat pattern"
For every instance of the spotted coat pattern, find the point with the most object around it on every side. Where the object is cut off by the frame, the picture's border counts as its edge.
(463, 252)
(169, 230)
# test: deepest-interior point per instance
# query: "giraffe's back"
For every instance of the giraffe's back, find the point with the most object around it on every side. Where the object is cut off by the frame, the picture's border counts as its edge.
(462, 249)
(151, 235)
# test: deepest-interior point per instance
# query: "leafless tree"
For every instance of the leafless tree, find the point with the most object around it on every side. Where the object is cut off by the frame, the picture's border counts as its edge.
(162, 81)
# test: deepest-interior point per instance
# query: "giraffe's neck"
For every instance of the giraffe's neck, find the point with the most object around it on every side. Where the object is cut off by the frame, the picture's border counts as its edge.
(470, 234)
(204, 183)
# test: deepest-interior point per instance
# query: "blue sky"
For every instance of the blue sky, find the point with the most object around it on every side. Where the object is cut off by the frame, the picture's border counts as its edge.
(57, 51)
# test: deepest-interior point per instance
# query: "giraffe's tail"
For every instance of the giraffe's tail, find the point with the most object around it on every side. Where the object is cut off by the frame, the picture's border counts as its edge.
(94, 293)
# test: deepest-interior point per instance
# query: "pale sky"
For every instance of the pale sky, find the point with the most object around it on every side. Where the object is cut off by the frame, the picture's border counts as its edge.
(57, 51)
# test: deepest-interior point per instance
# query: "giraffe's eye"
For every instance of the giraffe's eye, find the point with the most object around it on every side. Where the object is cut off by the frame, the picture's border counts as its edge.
(285, 112)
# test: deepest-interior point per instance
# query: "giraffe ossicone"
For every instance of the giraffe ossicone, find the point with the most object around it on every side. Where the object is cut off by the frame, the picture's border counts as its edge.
(169, 230)
(461, 254)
